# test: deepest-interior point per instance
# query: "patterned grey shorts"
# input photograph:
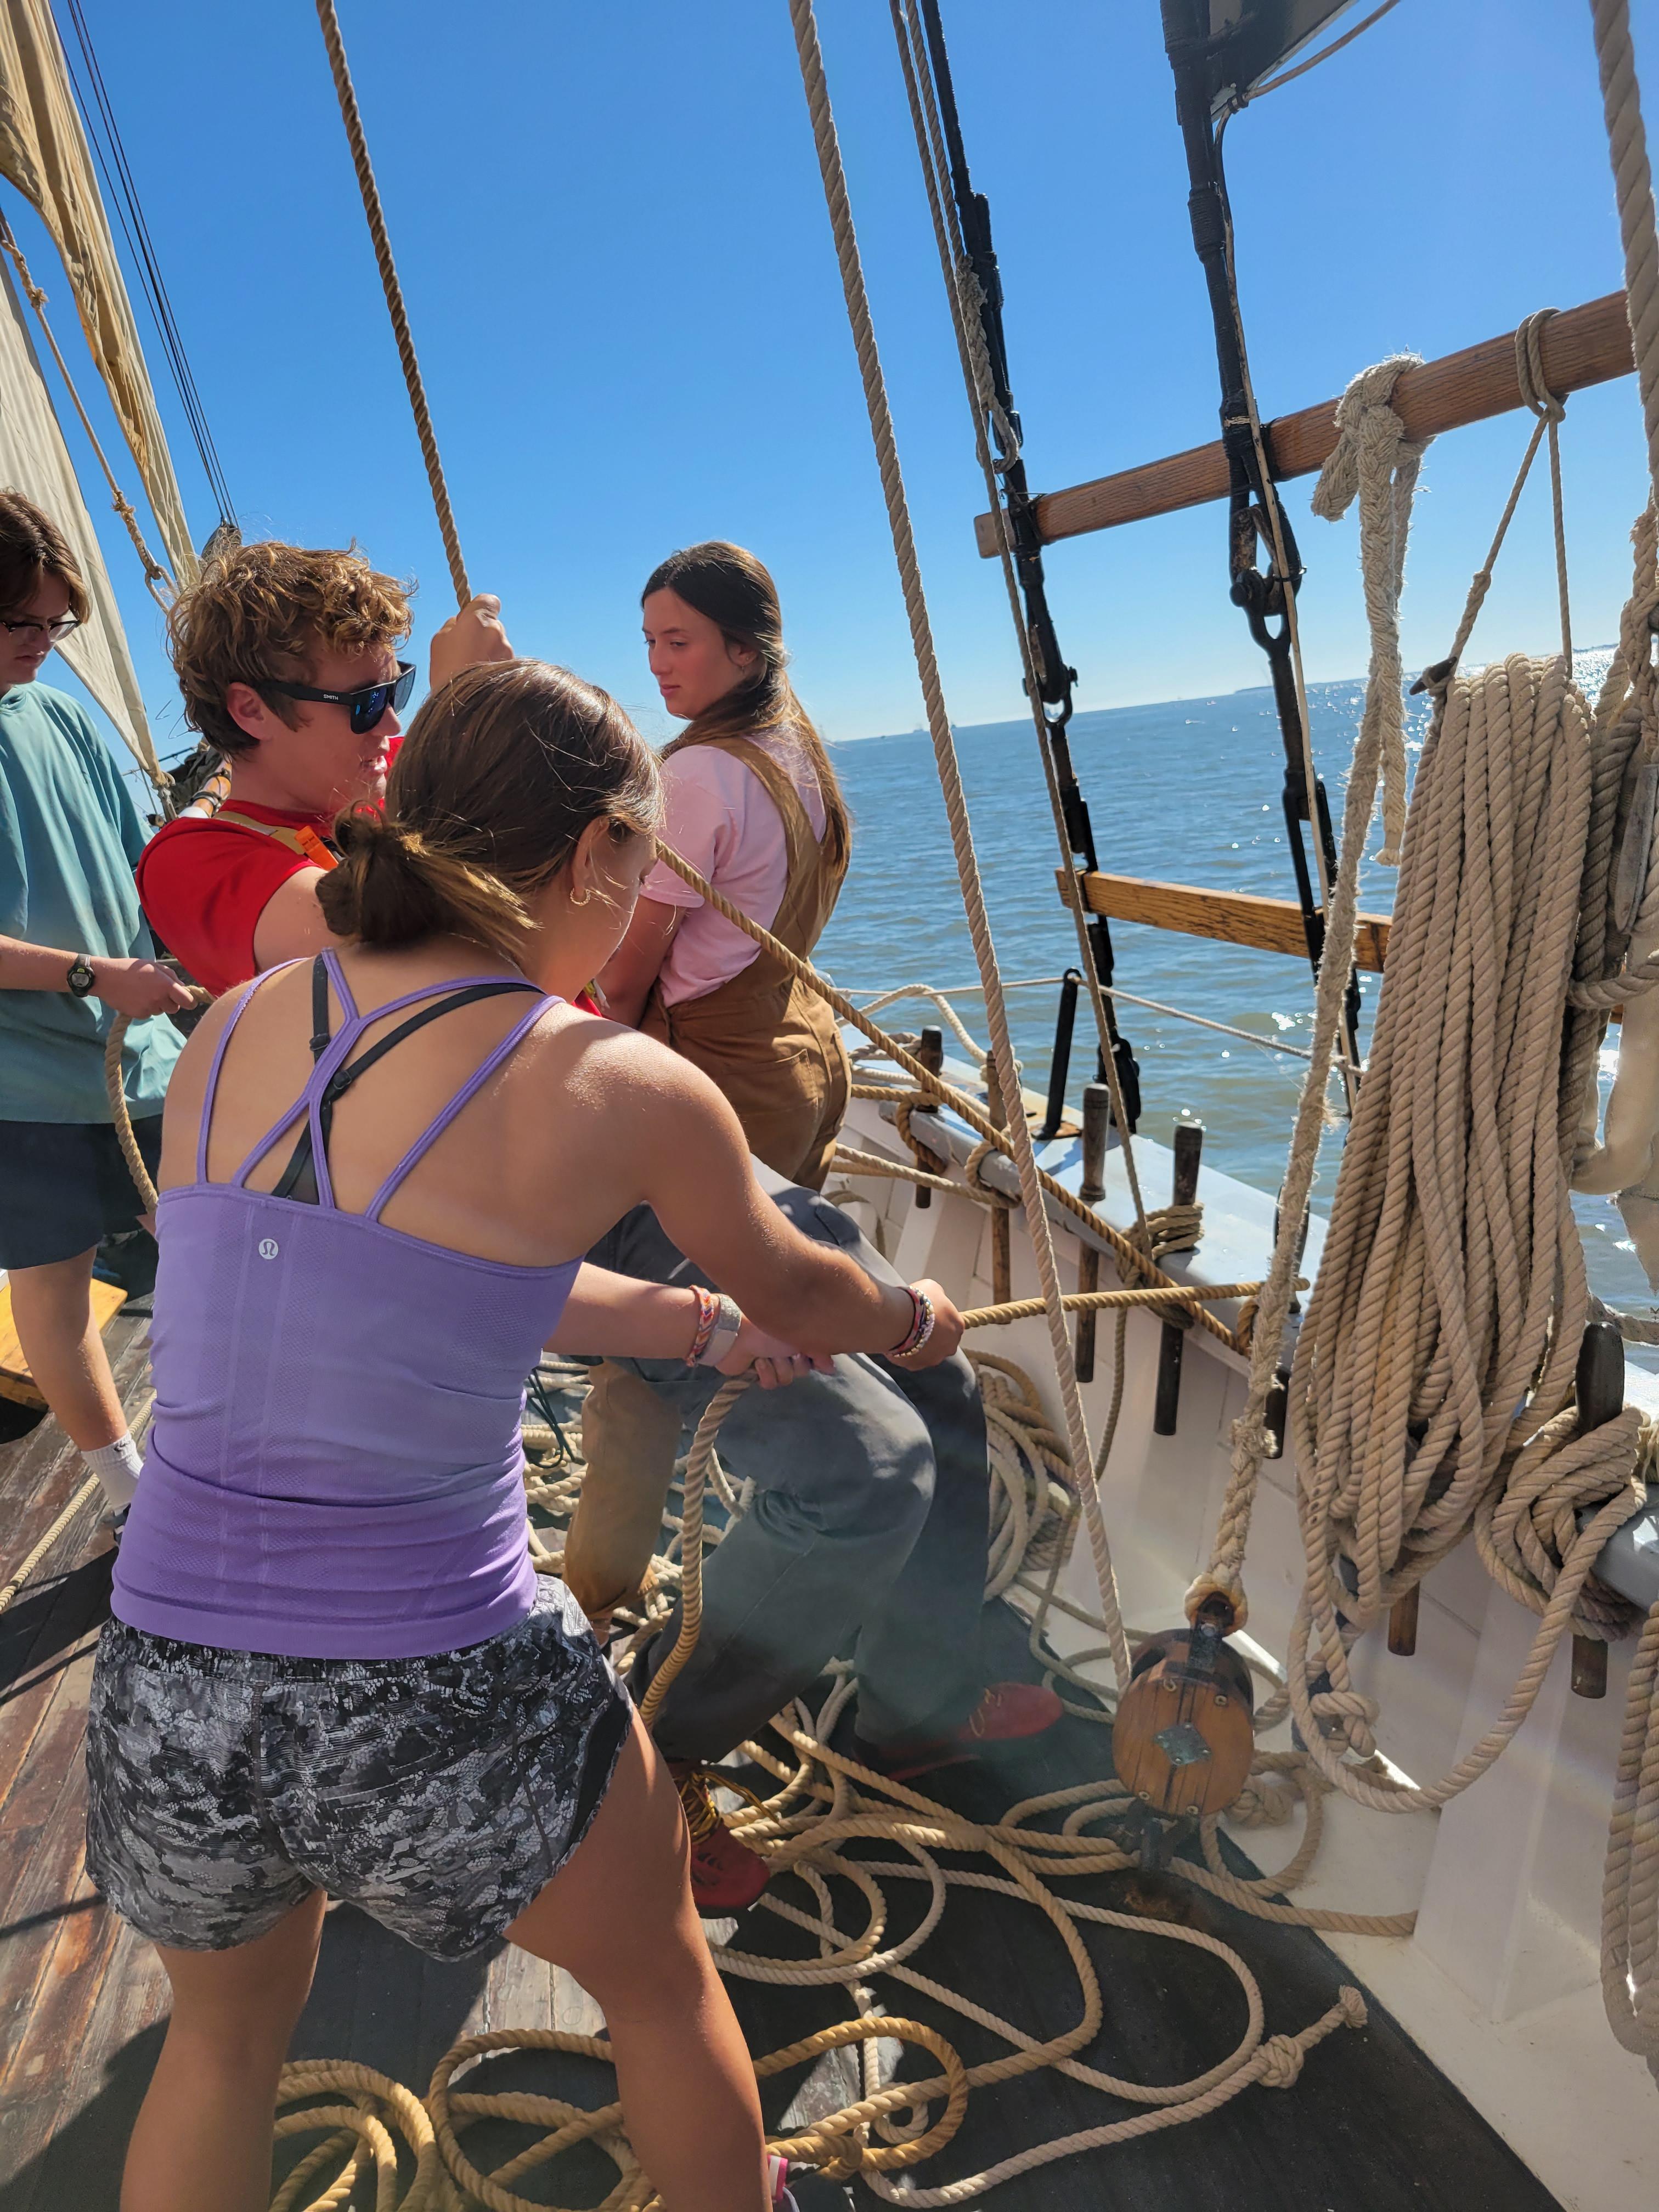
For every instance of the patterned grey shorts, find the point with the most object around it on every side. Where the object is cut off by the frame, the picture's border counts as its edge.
(439, 1794)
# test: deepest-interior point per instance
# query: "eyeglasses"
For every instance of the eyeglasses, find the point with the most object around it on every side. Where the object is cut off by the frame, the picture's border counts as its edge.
(367, 704)
(32, 626)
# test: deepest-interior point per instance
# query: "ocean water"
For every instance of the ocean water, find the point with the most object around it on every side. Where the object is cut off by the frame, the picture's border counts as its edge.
(1188, 791)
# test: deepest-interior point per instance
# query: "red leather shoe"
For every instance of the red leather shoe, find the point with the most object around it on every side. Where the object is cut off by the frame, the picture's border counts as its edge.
(726, 1877)
(1007, 1712)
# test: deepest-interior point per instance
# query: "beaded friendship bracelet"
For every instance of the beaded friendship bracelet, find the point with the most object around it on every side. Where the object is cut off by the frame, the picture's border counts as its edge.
(921, 1327)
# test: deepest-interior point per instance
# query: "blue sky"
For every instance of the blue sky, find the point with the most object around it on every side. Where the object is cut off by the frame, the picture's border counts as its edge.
(610, 231)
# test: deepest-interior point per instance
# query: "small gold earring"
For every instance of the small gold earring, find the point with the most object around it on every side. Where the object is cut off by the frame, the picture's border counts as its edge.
(580, 898)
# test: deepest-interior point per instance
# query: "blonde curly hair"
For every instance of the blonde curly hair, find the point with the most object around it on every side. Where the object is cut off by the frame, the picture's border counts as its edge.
(263, 611)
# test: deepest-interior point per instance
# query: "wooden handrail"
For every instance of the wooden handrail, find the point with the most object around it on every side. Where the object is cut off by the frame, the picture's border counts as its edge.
(1581, 346)
(1237, 917)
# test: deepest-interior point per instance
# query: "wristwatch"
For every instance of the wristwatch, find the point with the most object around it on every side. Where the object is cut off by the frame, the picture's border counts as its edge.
(82, 981)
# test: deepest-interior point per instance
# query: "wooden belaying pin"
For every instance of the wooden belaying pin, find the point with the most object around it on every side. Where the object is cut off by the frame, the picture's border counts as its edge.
(1002, 1251)
(1189, 1150)
(931, 1052)
(1601, 1389)
(1402, 1623)
(1096, 1129)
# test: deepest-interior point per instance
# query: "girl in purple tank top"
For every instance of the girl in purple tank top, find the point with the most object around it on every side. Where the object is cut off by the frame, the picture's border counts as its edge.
(332, 1669)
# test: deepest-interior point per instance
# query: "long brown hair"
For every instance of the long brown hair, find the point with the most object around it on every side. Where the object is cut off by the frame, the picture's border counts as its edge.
(730, 587)
(503, 769)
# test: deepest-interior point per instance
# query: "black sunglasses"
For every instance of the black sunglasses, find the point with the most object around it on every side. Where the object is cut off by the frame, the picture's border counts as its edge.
(367, 704)
(31, 626)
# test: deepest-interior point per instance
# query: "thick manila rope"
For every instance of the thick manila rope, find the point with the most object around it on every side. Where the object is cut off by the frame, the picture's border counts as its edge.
(1375, 460)
(345, 93)
(1630, 1923)
(956, 807)
(1370, 453)
(827, 1800)
(1630, 1893)
(802, 1841)
(1436, 1307)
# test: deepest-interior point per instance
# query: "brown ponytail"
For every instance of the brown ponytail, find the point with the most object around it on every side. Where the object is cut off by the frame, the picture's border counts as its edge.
(503, 769)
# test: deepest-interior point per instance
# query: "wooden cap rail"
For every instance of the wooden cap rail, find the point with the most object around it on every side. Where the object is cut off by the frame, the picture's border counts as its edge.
(1237, 917)
(1581, 346)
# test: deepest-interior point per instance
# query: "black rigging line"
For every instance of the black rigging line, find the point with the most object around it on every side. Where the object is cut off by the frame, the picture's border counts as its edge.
(1265, 595)
(110, 151)
(1056, 681)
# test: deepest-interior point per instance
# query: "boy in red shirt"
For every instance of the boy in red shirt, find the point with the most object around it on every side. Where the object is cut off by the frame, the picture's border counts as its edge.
(289, 663)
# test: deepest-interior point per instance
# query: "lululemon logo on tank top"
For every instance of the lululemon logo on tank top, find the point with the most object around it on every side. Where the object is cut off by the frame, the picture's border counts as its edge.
(268, 1248)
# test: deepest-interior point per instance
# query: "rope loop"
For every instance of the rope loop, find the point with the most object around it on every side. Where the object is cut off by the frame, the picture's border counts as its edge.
(1535, 394)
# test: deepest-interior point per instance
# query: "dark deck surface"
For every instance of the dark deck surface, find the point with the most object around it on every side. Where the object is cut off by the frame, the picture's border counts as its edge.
(1370, 2127)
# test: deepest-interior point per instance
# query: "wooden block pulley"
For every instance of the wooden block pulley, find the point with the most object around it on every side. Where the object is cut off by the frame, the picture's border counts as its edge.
(1182, 1739)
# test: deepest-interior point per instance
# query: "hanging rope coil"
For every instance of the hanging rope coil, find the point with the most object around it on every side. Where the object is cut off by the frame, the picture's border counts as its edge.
(1452, 1286)
(1375, 461)
(1375, 436)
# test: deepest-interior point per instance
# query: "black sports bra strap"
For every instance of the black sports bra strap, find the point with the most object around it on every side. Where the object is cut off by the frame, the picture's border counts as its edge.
(298, 1180)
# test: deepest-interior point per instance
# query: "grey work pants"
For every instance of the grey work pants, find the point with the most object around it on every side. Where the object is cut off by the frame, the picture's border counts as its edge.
(866, 1540)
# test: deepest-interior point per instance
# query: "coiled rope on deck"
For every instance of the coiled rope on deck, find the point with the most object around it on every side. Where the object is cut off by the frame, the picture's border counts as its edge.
(823, 1802)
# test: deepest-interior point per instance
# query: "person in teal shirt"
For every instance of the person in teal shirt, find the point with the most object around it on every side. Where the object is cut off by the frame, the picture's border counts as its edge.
(74, 953)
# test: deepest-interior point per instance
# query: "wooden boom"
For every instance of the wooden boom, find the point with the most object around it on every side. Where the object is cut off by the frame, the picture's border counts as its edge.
(1237, 917)
(1582, 346)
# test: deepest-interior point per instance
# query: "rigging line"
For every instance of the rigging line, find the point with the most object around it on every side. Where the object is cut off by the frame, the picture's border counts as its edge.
(1272, 84)
(1018, 1137)
(1267, 492)
(156, 579)
(345, 93)
(134, 225)
(966, 320)
(981, 326)
(123, 189)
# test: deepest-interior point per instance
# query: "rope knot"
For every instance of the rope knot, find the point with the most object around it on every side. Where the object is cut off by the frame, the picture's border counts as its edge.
(1535, 393)
(1355, 2013)
(1347, 1713)
(1212, 1586)
(1364, 420)
(1281, 2062)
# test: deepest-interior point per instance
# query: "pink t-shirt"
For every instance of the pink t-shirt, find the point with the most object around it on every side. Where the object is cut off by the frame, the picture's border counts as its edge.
(721, 819)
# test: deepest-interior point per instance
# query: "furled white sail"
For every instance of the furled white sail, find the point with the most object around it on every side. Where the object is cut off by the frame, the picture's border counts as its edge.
(34, 460)
(43, 151)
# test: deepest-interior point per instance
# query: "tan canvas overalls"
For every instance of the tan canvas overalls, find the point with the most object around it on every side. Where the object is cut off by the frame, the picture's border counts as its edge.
(774, 1047)
(771, 1044)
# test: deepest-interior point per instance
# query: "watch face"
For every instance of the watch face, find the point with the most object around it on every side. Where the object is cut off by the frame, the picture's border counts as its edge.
(81, 978)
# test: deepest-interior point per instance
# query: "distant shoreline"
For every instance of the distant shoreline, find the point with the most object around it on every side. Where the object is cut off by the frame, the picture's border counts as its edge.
(1142, 706)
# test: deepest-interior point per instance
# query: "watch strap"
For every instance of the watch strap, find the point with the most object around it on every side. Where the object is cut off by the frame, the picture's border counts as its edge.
(724, 1334)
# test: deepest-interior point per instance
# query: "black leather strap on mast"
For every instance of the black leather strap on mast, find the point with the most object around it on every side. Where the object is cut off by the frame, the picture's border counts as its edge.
(1056, 680)
(1264, 594)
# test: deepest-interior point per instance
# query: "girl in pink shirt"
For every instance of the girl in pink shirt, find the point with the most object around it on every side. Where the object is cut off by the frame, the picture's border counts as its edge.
(753, 804)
